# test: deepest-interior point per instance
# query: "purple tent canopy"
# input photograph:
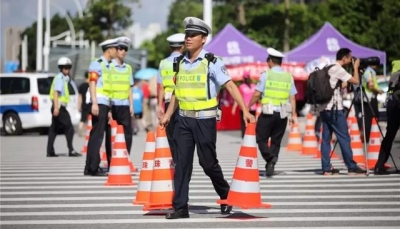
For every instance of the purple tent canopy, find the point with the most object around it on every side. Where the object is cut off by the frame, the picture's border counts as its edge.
(235, 48)
(326, 42)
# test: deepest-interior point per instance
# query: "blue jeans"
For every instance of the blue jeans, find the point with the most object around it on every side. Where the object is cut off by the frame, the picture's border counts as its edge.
(336, 124)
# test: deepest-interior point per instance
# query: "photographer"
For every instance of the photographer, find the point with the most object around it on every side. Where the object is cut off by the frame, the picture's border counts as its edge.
(333, 117)
(393, 120)
(371, 87)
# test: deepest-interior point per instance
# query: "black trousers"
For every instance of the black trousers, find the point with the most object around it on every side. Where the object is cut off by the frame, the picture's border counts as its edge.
(170, 130)
(123, 117)
(202, 133)
(61, 122)
(368, 114)
(243, 125)
(393, 125)
(270, 126)
(99, 126)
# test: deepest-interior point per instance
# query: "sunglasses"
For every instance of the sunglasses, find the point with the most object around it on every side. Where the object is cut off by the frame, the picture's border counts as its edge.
(66, 67)
(123, 48)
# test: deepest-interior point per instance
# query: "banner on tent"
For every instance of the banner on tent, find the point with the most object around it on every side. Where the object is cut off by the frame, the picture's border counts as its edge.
(255, 69)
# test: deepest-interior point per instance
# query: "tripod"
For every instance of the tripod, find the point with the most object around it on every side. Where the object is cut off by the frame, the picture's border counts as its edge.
(362, 94)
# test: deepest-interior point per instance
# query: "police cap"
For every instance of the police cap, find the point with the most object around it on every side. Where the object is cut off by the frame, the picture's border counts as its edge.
(176, 40)
(274, 53)
(124, 41)
(196, 25)
(109, 43)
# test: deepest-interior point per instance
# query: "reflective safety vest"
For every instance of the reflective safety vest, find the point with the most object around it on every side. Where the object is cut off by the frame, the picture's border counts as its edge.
(105, 90)
(191, 88)
(167, 75)
(277, 88)
(374, 80)
(65, 97)
(120, 82)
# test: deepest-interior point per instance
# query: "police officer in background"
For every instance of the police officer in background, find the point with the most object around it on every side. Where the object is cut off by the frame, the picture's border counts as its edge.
(393, 119)
(371, 86)
(277, 90)
(166, 83)
(100, 96)
(198, 81)
(122, 82)
(59, 94)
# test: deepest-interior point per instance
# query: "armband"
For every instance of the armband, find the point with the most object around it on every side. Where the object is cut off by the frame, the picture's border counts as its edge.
(93, 76)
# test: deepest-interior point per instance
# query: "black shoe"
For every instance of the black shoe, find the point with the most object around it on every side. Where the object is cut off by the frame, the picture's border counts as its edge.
(226, 209)
(98, 172)
(181, 213)
(74, 154)
(356, 171)
(332, 172)
(86, 172)
(270, 168)
(52, 155)
(381, 172)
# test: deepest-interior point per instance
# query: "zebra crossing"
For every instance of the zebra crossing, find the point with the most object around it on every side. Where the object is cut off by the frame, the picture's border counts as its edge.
(40, 192)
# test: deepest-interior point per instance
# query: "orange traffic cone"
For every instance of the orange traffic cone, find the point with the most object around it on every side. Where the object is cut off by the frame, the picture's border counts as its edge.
(162, 185)
(310, 144)
(334, 156)
(120, 172)
(245, 186)
(294, 142)
(356, 144)
(121, 144)
(351, 117)
(114, 126)
(104, 161)
(87, 136)
(145, 178)
(374, 144)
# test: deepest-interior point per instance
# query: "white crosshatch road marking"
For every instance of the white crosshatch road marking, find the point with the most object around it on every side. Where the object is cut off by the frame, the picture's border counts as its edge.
(40, 192)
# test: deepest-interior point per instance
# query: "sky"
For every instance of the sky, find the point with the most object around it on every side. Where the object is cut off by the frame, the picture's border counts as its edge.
(23, 13)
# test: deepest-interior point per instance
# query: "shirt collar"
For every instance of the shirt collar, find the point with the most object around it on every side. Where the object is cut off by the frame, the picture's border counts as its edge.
(175, 53)
(201, 56)
(371, 70)
(104, 60)
(277, 68)
(115, 62)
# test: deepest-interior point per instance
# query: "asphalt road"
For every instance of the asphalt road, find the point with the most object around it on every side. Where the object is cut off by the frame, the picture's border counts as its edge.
(39, 192)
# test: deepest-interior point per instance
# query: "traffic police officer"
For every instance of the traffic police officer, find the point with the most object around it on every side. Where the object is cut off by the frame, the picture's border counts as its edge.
(59, 94)
(166, 83)
(122, 81)
(100, 96)
(371, 86)
(276, 89)
(198, 80)
(393, 120)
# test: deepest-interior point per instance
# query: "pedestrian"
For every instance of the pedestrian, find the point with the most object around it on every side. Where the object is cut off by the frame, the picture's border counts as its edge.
(393, 120)
(59, 95)
(122, 83)
(137, 105)
(83, 103)
(333, 117)
(166, 83)
(277, 91)
(247, 89)
(199, 76)
(100, 96)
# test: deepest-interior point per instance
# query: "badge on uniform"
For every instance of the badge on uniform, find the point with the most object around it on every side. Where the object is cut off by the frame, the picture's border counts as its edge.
(224, 70)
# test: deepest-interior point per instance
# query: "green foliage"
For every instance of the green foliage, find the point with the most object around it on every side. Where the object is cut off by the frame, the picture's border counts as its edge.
(102, 19)
(369, 23)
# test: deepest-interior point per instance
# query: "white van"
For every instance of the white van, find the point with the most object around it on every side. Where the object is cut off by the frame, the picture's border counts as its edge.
(25, 102)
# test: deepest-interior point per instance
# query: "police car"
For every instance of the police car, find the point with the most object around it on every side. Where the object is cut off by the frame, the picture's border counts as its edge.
(25, 102)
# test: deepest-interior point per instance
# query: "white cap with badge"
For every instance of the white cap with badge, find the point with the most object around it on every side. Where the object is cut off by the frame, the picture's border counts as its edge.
(109, 43)
(196, 25)
(274, 53)
(176, 40)
(124, 41)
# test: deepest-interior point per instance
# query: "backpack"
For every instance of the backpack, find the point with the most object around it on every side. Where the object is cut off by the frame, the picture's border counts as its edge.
(318, 88)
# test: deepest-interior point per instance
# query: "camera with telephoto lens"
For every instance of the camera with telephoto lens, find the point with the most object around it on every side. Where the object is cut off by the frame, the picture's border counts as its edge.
(365, 62)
